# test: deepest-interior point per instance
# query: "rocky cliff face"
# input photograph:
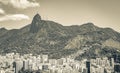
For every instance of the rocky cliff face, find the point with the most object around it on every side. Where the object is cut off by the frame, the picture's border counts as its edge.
(36, 23)
(56, 40)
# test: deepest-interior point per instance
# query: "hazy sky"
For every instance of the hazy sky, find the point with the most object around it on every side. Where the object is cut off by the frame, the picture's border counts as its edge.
(15, 14)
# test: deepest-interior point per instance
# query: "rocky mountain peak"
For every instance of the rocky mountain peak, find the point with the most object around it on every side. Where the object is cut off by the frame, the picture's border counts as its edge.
(37, 17)
(35, 23)
(89, 27)
(3, 29)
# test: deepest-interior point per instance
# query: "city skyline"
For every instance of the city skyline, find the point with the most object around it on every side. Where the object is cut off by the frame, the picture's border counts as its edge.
(15, 14)
(28, 63)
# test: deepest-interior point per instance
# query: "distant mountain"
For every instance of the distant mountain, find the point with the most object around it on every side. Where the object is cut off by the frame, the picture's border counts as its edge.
(42, 36)
(2, 31)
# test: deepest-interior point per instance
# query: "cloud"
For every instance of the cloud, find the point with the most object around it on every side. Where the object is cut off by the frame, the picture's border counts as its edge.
(2, 11)
(23, 4)
(14, 17)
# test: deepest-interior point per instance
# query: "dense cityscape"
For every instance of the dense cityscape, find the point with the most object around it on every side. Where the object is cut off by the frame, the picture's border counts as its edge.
(28, 63)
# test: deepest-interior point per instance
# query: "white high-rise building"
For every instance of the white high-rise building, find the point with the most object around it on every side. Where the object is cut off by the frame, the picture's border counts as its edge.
(26, 64)
(18, 66)
(112, 62)
(2, 71)
(45, 58)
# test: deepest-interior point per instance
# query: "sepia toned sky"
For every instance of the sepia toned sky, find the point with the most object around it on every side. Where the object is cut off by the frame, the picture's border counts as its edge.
(15, 14)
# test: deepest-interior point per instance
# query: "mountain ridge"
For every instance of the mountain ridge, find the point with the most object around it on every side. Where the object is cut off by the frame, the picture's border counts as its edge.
(43, 36)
